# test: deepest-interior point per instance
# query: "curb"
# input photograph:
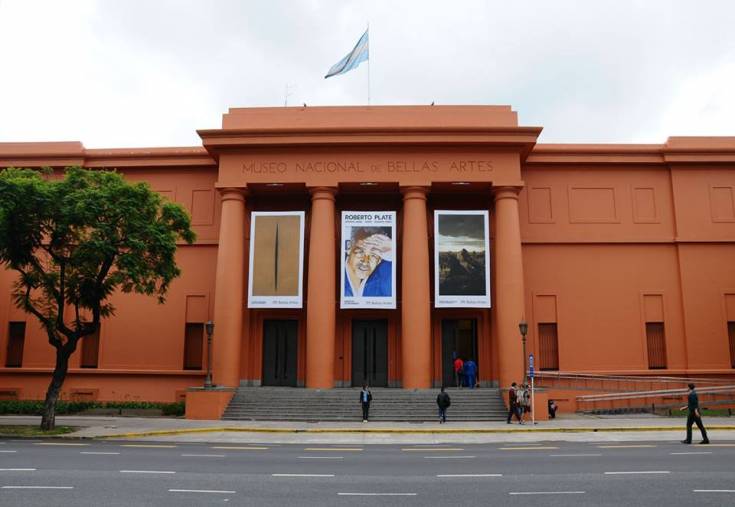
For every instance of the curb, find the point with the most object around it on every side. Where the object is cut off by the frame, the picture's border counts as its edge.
(398, 431)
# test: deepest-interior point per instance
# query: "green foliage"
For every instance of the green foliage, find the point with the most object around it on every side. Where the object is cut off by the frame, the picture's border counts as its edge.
(32, 431)
(33, 407)
(77, 239)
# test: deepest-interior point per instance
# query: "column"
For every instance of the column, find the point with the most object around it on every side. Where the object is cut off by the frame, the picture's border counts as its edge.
(320, 306)
(509, 297)
(415, 297)
(229, 290)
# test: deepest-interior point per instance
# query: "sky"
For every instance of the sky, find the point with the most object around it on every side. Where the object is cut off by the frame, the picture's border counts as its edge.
(139, 73)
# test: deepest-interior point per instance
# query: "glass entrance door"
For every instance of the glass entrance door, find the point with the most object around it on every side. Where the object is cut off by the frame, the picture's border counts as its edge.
(279, 352)
(370, 353)
(459, 339)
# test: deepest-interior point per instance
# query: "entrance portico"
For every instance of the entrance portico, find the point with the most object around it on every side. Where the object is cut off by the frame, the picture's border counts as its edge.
(405, 159)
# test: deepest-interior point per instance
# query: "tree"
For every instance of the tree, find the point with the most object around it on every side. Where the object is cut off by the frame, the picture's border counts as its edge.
(75, 241)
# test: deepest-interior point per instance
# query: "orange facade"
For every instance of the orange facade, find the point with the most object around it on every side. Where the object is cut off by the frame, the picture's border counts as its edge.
(619, 257)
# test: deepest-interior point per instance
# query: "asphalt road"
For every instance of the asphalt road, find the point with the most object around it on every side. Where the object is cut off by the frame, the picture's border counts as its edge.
(555, 474)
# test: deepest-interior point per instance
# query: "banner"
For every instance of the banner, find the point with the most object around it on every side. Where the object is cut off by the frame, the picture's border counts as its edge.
(368, 265)
(461, 259)
(276, 259)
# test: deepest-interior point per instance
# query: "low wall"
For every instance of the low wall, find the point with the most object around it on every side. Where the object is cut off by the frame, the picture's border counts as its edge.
(100, 385)
(208, 404)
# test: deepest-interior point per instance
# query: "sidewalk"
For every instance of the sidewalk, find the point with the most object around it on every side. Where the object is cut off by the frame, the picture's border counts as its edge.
(567, 427)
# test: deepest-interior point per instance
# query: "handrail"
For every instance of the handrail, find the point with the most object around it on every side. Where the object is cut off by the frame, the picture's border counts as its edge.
(629, 378)
(653, 394)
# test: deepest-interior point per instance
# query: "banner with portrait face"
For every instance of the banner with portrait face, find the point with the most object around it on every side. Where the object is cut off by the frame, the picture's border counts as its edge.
(368, 263)
(276, 259)
(461, 259)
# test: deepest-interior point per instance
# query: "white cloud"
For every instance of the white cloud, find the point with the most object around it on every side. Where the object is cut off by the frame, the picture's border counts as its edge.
(149, 73)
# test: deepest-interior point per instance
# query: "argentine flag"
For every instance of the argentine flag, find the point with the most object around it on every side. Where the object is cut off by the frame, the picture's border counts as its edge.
(354, 58)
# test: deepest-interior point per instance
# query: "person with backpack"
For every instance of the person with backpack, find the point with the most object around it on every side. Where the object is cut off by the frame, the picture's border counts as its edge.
(470, 373)
(513, 403)
(443, 401)
(521, 402)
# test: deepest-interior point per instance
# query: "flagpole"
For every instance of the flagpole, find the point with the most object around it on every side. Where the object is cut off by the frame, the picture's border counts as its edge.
(368, 32)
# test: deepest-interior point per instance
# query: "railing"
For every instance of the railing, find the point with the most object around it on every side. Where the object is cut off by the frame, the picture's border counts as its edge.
(632, 392)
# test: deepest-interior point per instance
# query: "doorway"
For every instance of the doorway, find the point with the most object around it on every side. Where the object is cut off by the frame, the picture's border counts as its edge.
(370, 352)
(280, 339)
(459, 339)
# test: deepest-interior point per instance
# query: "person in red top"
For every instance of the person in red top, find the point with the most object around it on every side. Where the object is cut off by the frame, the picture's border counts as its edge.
(458, 369)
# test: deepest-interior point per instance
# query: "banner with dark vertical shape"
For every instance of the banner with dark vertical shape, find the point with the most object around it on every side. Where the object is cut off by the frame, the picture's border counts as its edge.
(276, 259)
(461, 259)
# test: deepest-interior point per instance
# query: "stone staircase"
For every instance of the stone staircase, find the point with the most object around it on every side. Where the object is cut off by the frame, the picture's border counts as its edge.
(342, 404)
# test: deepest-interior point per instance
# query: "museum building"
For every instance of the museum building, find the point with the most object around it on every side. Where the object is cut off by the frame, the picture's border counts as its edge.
(343, 245)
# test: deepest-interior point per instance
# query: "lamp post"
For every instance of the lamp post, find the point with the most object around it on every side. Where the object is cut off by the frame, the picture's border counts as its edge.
(523, 328)
(209, 327)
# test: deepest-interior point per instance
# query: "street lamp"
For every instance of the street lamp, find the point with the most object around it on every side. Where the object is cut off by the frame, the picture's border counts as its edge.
(523, 328)
(209, 327)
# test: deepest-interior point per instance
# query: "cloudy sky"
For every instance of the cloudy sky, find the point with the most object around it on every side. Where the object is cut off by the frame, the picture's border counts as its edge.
(135, 73)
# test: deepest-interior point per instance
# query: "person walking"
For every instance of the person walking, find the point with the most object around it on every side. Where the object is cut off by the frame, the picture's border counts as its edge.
(470, 373)
(513, 403)
(443, 401)
(521, 402)
(365, 398)
(458, 369)
(694, 416)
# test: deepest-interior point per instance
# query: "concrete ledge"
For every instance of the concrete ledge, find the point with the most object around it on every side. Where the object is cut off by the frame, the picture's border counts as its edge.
(207, 404)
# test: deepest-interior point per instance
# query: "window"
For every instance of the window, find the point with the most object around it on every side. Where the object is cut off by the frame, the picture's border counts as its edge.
(16, 337)
(656, 339)
(91, 350)
(193, 342)
(731, 335)
(548, 347)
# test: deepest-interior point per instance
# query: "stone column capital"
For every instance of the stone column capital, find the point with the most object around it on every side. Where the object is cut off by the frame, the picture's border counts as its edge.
(233, 193)
(317, 193)
(507, 192)
(414, 192)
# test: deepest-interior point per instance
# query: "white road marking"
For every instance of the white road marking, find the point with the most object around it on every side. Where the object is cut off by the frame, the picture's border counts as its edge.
(239, 448)
(152, 446)
(537, 448)
(336, 449)
(639, 472)
(66, 444)
(632, 446)
(8, 451)
(546, 493)
(573, 455)
(146, 472)
(468, 475)
(99, 453)
(220, 491)
(714, 490)
(377, 494)
(431, 449)
(321, 457)
(687, 453)
(204, 455)
(38, 487)
(448, 457)
(18, 469)
(302, 475)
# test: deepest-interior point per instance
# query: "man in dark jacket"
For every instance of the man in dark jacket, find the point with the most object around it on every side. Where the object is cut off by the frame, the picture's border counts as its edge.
(694, 416)
(443, 401)
(365, 398)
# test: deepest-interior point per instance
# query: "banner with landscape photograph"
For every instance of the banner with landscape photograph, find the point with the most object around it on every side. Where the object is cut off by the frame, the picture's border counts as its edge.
(461, 259)
(276, 259)
(368, 247)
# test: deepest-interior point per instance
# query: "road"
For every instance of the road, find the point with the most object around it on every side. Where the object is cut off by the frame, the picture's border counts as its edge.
(115, 473)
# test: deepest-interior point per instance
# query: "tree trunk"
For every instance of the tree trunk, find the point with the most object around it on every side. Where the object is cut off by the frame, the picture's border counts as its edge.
(48, 419)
